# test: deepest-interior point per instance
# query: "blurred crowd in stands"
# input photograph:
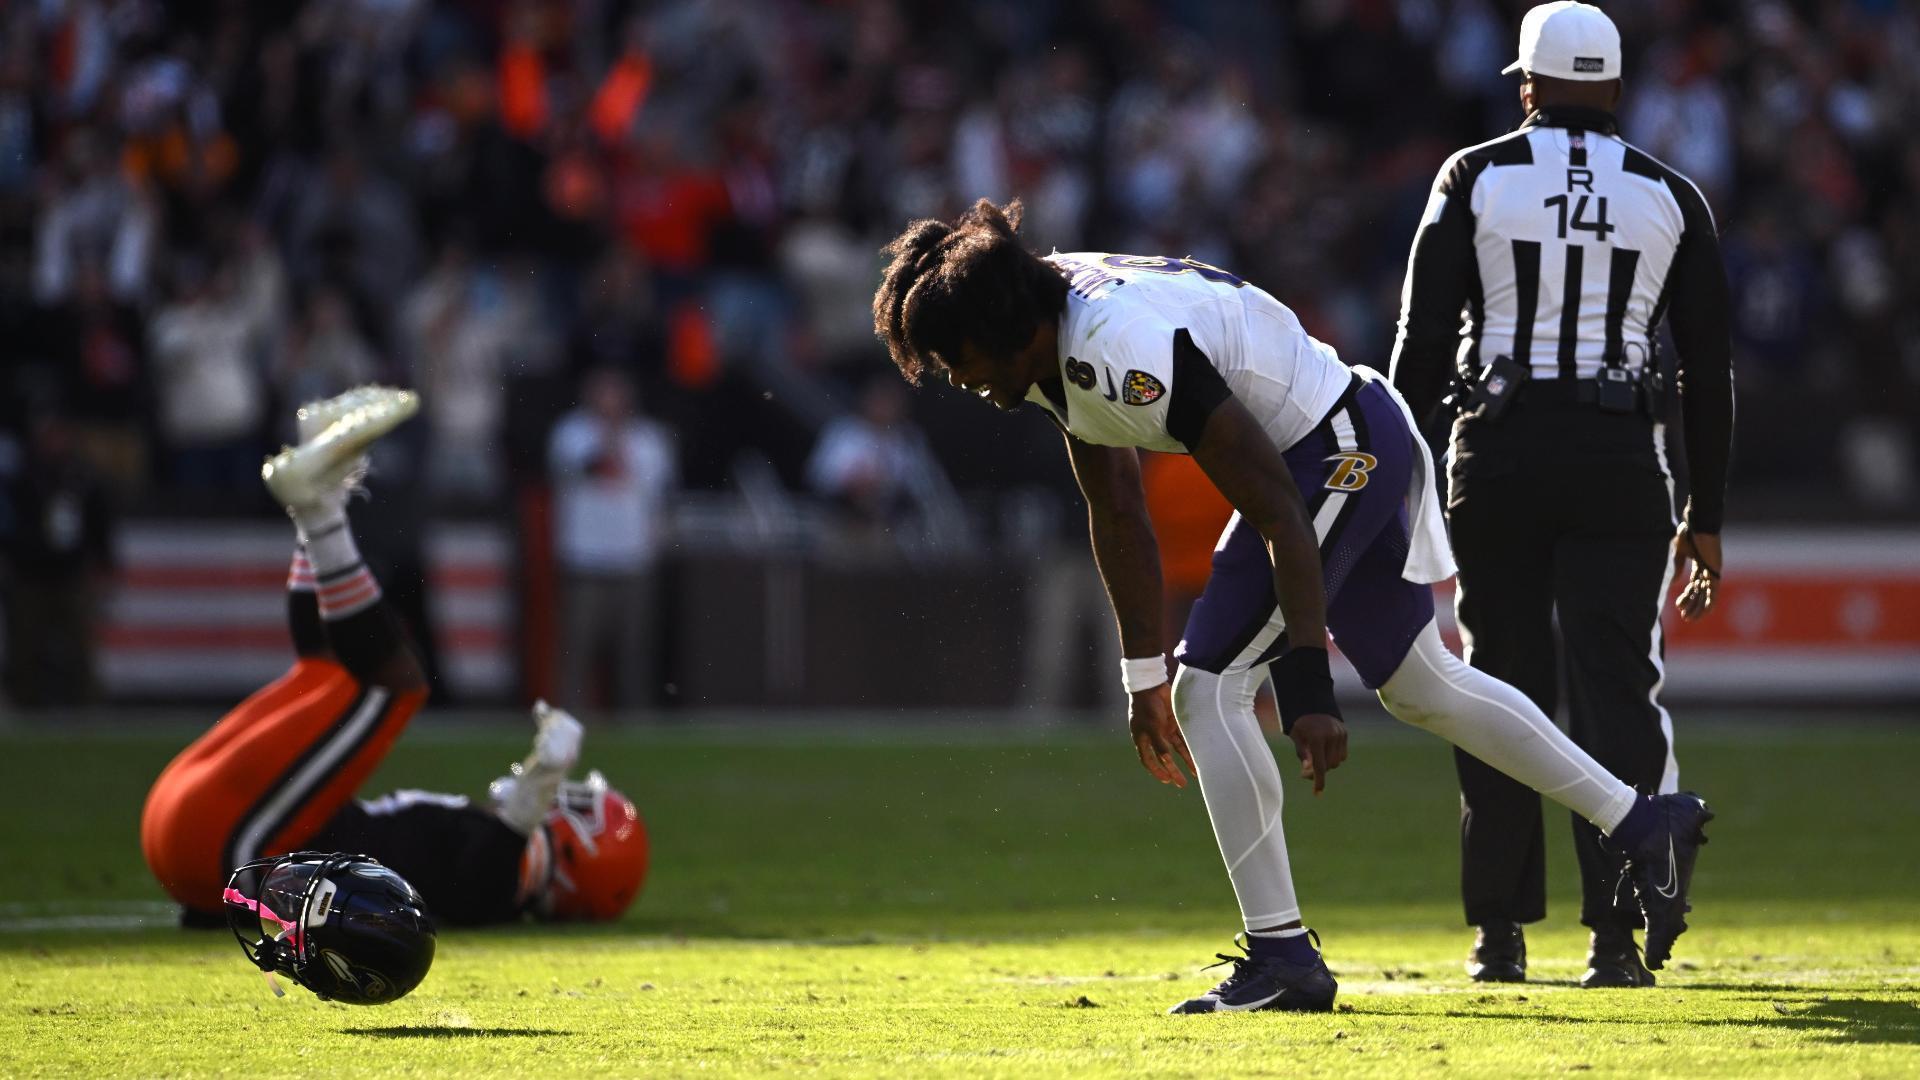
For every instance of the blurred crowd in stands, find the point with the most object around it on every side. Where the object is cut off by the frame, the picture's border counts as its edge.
(211, 210)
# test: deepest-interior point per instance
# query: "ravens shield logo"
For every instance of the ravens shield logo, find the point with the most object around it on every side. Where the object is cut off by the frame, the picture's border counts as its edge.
(1141, 388)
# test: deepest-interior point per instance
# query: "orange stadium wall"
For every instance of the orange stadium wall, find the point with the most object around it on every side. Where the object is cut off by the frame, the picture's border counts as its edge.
(199, 610)
(198, 614)
(1823, 614)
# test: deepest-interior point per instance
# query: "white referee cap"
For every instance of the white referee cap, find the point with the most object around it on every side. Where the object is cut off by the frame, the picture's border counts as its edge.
(1568, 40)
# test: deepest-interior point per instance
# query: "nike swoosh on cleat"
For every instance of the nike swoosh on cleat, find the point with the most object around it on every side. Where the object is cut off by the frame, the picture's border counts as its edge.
(1213, 1004)
(1673, 885)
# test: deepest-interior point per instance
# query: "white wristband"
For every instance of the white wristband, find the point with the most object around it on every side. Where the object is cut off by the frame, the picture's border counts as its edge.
(1143, 673)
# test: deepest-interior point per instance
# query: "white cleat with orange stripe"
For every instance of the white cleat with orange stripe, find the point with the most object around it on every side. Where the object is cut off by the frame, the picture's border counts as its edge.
(334, 437)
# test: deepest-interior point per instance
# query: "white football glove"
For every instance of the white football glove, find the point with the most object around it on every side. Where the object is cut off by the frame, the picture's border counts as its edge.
(558, 741)
(523, 799)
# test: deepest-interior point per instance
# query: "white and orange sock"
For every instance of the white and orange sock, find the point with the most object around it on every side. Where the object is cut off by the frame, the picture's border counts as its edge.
(300, 576)
(347, 592)
(345, 585)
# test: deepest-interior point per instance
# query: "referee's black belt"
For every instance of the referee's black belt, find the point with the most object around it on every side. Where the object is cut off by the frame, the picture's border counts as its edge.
(1558, 391)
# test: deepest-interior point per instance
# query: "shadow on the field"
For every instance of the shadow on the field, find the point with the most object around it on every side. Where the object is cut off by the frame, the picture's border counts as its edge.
(435, 1031)
(1833, 1017)
(1859, 1020)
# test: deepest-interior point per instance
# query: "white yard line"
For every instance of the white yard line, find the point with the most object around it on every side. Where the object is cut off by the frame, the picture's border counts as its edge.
(31, 918)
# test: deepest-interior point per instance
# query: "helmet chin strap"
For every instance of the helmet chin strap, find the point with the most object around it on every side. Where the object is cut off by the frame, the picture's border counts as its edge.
(235, 896)
(264, 958)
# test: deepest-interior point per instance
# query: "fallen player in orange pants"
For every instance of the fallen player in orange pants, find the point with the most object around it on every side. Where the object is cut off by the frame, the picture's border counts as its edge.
(279, 773)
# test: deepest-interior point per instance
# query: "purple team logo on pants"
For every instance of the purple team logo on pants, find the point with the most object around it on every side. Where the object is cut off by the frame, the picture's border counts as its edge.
(1353, 471)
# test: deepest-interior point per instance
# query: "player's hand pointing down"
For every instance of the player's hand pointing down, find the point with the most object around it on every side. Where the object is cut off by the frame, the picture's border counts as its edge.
(1321, 742)
(1157, 737)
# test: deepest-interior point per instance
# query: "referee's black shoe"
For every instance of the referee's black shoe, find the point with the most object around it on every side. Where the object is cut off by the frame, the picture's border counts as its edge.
(1613, 962)
(1662, 870)
(1499, 953)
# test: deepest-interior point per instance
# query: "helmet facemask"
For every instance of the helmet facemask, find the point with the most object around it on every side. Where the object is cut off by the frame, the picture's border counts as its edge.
(580, 804)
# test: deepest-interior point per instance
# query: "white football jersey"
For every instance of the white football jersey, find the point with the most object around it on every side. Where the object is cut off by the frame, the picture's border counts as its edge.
(1128, 316)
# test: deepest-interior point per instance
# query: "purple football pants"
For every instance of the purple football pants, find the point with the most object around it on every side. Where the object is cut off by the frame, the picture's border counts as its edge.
(1352, 469)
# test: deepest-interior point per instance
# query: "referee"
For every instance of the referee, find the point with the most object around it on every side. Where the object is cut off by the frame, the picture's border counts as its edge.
(1543, 267)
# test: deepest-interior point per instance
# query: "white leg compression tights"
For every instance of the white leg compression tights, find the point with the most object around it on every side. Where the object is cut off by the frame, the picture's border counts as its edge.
(1241, 784)
(1436, 690)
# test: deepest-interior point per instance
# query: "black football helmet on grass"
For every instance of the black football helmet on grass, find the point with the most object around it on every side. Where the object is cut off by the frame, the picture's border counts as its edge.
(343, 926)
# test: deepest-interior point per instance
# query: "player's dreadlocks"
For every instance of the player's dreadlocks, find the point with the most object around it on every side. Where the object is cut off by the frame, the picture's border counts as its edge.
(966, 281)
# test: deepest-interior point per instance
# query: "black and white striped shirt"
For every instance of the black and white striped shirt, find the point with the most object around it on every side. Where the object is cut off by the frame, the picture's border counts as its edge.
(1563, 246)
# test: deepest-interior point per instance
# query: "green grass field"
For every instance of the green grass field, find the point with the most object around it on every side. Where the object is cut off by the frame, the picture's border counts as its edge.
(987, 903)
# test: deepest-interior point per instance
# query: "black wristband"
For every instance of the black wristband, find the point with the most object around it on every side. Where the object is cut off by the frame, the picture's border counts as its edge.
(1699, 518)
(1303, 686)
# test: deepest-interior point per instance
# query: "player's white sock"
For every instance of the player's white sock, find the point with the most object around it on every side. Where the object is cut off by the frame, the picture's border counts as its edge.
(1241, 784)
(345, 585)
(328, 542)
(1295, 931)
(1436, 690)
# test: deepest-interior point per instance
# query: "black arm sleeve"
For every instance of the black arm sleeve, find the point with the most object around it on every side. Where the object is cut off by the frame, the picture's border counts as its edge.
(1697, 291)
(464, 860)
(1440, 272)
(1198, 389)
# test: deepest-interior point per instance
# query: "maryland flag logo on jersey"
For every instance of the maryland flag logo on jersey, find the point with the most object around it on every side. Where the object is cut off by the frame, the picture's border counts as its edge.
(1141, 388)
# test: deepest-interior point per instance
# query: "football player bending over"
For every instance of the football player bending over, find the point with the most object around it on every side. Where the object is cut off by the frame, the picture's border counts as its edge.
(279, 772)
(1337, 528)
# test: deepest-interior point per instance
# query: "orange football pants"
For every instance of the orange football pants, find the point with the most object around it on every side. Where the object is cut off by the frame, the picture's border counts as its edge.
(268, 776)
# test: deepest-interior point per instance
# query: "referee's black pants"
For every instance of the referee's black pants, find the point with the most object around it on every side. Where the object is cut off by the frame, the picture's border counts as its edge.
(1561, 509)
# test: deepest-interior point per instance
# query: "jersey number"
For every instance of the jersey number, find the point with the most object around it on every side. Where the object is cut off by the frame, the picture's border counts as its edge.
(1160, 264)
(1577, 218)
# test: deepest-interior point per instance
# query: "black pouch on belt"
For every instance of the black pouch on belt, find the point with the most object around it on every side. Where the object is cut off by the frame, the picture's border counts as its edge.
(1499, 384)
(1619, 391)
